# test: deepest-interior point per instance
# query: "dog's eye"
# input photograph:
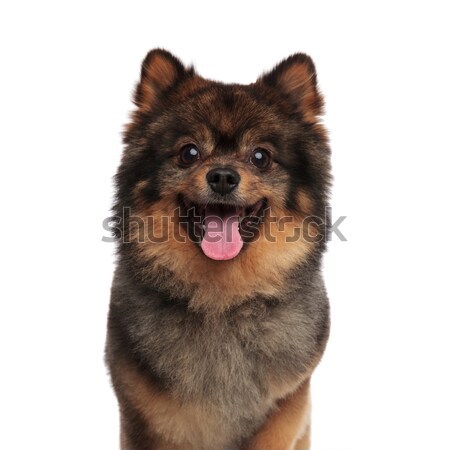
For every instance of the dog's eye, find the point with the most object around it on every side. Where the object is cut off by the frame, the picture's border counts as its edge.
(261, 158)
(189, 154)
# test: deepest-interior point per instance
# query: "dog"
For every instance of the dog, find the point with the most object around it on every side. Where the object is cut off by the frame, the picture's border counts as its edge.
(218, 313)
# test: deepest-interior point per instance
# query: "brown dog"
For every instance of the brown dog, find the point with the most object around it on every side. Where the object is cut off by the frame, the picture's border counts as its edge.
(218, 311)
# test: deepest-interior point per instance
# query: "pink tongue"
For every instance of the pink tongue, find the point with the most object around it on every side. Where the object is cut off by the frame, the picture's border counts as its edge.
(222, 239)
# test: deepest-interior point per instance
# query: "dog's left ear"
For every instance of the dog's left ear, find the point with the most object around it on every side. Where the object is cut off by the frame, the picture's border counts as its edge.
(296, 78)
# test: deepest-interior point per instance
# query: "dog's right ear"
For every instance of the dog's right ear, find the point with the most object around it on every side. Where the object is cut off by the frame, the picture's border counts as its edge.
(160, 72)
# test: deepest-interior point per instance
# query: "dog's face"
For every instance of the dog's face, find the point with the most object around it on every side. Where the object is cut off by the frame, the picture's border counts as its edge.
(218, 172)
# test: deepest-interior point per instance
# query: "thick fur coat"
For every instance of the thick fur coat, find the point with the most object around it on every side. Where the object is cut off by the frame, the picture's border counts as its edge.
(217, 354)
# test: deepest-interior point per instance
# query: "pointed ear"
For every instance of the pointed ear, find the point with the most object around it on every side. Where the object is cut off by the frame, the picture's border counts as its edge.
(296, 78)
(160, 72)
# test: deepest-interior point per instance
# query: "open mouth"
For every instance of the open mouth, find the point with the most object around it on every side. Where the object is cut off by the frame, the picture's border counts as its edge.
(222, 229)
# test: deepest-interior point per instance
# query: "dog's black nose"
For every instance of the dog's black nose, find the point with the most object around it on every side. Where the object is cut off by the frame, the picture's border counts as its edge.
(223, 180)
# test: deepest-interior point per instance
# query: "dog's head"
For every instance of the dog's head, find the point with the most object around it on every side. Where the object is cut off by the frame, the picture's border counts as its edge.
(220, 174)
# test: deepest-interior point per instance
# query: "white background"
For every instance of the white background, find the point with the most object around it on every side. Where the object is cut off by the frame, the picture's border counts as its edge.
(67, 71)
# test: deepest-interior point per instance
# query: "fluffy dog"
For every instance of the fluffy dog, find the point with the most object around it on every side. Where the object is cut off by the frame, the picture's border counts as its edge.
(218, 311)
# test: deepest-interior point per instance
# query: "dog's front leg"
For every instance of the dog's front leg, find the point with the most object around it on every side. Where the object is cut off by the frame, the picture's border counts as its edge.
(287, 427)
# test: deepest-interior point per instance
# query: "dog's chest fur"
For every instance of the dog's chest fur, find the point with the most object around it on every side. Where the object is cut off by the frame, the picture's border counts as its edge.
(227, 370)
